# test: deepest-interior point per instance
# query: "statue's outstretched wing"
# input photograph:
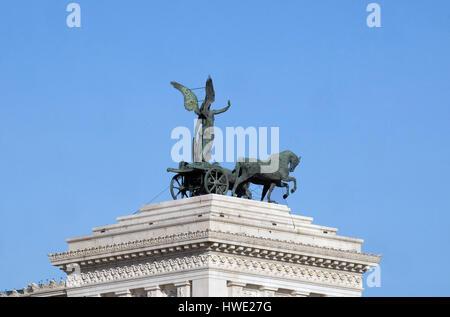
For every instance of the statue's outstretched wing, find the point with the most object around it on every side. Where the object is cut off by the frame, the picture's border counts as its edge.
(190, 99)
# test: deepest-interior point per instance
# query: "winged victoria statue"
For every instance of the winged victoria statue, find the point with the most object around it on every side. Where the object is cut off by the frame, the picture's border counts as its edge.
(202, 177)
(206, 118)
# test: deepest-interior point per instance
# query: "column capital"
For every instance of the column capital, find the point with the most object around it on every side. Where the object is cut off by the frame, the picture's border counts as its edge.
(181, 284)
(154, 291)
(183, 289)
(268, 288)
(298, 293)
(233, 283)
(268, 291)
(123, 293)
(236, 288)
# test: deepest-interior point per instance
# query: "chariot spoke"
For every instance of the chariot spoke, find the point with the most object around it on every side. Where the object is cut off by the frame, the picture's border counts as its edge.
(177, 188)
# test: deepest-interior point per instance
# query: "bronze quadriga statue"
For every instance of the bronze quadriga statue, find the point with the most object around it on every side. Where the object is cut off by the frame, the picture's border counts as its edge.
(201, 177)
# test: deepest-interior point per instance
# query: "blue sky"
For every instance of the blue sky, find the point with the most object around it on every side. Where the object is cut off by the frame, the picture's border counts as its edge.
(86, 116)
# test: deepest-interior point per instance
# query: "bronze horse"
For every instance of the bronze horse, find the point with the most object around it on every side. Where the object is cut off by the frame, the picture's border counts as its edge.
(270, 173)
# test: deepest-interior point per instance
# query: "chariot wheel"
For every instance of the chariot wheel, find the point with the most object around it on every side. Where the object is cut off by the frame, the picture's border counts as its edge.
(216, 182)
(178, 188)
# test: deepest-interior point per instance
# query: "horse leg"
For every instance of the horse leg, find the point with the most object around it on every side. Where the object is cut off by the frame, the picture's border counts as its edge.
(239, 193)
(236, 182)
(264, 192)
(239, 181)
(248, 193)
(287, 189)
(235, 186)
(243, 191)
(292, 179)
(272, 186)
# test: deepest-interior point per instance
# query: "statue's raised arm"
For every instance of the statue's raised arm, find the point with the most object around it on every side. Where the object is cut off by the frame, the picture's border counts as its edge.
(223, 109)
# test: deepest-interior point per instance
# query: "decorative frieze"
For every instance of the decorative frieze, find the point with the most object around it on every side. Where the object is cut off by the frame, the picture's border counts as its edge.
(116, 273)
(233, 263)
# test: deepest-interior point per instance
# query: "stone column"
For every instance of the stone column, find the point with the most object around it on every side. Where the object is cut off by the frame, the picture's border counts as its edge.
(183, 289)
(236, 288)
(154, 291)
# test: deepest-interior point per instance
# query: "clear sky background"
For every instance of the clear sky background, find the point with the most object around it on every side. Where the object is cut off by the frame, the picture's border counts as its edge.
(86, 116)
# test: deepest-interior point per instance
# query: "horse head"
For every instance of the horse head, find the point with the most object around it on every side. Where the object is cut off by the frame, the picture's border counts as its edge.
(294, 161)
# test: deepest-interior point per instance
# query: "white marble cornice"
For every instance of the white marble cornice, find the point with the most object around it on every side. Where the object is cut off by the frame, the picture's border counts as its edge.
(223, 242)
